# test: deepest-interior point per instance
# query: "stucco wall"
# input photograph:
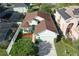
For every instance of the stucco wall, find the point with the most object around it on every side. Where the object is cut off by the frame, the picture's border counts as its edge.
(64, 24)
(60, 21)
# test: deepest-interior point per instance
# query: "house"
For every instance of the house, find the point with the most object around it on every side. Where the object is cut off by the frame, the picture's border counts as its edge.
(68, 20)
(18, 7)
(6, 29)
(41, 24)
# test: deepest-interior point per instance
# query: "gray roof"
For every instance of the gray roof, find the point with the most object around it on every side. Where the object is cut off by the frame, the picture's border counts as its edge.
(5, 25)
(76, 11)
(2, 9)
(63, 13)
(3, 34)
(4, 28)
(20, 5)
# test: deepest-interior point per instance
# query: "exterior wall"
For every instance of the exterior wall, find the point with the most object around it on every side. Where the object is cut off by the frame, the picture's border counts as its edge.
(61, 22)
(75, 34)
(27, 35)
(63, 25)
(46, 34)
(25, 30)
(33, 38)
(57, 17)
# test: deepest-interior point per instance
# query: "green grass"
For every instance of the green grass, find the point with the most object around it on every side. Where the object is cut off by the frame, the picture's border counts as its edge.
(65, 48)
(3, 52)
(62, 5)
(47, 7)
(24, 47)
(60, 48)
(76, 45)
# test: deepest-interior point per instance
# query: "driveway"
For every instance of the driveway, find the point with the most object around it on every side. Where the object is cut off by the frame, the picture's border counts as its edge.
(47, 48)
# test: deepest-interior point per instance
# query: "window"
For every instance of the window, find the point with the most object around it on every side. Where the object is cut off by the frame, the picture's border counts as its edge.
(78, 23)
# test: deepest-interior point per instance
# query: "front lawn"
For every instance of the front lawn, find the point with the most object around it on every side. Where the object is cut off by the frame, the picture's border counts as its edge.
(76, 45)
(65, 48)
(60, 48)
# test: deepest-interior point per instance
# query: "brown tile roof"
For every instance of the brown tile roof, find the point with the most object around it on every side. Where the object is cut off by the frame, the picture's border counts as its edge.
(45, 24)
(30, 16)
(40, 27)
(25, 24)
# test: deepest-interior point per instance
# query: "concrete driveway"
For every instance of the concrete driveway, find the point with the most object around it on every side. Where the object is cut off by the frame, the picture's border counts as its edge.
(47, 47)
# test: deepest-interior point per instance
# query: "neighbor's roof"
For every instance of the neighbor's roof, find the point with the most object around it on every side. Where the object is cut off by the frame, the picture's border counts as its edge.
(63, 13)
(47, 23)
(68, 12)
(3, 34)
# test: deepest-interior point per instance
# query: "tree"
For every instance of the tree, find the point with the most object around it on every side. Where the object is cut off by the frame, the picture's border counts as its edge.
(46, 8)
(24, 47)
(41, 7)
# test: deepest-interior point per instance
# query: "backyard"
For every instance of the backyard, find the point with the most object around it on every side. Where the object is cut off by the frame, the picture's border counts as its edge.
(24, 46)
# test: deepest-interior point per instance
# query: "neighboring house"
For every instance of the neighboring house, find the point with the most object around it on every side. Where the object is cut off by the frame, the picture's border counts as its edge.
(18, 7)
(68, 21)
(41, 24)
(11, 16)
(5, 30)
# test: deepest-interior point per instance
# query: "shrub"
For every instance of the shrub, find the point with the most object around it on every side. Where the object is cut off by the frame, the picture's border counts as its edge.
(24, 47)
(46, 8)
